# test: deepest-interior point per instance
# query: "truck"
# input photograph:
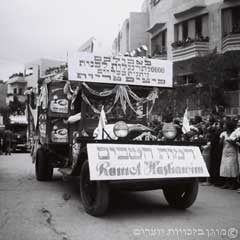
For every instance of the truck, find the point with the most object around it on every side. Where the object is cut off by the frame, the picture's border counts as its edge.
(18, 126)
(92, 122)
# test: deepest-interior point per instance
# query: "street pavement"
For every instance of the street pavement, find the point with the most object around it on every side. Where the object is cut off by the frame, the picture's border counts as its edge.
(32, 210)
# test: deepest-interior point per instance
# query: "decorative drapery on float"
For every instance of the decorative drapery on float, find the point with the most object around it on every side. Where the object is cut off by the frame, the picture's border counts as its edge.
(121, 93)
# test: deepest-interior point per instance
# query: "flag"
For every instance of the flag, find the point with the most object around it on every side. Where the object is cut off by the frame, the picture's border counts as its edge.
(102, 119)
(186, 125)
(99, 131)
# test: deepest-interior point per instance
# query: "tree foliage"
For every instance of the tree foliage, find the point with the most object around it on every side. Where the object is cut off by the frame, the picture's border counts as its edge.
(213, 74)
(216, 71)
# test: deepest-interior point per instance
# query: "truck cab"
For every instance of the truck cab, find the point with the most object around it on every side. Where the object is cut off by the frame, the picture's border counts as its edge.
(18, 126)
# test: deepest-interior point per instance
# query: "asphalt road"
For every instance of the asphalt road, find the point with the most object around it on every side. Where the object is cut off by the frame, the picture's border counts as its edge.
(31, 210)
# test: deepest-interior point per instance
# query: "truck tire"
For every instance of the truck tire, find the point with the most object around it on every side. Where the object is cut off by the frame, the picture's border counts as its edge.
(182, 196)
(43, 169)
(94, 194)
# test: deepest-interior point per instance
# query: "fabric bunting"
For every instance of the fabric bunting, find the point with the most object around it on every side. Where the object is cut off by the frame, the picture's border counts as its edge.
(43, 97)
(100, 94)
(122, 93)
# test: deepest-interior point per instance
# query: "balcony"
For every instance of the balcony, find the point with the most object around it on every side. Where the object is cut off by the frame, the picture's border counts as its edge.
(160, 56)
(188, 50)
(231, 42)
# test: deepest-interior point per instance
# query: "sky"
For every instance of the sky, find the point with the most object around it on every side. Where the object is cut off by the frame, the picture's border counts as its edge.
(32, 29)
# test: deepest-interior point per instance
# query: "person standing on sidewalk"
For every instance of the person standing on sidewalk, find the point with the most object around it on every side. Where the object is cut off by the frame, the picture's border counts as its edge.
(229, 163)
(214, 131)
(235, 137)
(7, 142)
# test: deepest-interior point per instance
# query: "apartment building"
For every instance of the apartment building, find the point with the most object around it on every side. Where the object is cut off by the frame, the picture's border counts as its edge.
(34, 70)
(16, 86)
(172, 22)
(133, 32)
(182, 30)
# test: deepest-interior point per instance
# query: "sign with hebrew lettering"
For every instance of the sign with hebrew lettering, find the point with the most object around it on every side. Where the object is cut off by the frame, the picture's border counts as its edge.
(131, 161)
(87, 67)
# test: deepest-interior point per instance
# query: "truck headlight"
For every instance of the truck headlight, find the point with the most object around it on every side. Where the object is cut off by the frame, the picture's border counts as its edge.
(120, 129)
(169, 131)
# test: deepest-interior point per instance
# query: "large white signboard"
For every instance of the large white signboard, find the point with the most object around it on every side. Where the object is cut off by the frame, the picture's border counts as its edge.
(121, 161)
(86, 67)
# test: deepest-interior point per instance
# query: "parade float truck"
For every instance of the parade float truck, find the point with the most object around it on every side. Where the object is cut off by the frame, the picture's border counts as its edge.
(93, 122)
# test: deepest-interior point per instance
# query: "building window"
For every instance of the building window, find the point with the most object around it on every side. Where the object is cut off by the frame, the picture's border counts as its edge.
(198, 26)
(185, 30)
(178, 36)
(231, 20)
(181, 31)
(164, 38)
(29, 72)
(159, 44)
(192, 30)
(20, 91)
(15, 91)
(236, 20)
(128, 36)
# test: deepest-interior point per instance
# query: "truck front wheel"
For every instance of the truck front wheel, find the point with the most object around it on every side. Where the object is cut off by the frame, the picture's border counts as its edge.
(43, 169)
(182, 196)
(94, 194)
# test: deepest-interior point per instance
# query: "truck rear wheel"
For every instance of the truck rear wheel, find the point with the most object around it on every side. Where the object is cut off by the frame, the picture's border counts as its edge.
(182, 196)
(94, 194)
(43, 169)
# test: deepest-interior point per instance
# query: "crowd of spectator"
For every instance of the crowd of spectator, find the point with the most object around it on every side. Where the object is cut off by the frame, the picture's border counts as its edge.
(220, 139)
(220, 148)
(188, 41)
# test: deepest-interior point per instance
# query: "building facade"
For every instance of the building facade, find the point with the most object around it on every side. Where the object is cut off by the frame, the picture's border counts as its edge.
(209, 22)
(183, 30)
(34, 70)
(3, 94)
(16, 86)
(132, 34)
(3, 104)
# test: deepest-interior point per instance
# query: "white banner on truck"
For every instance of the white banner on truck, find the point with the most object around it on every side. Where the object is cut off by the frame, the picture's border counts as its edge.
(122, 161)
(86, 67)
